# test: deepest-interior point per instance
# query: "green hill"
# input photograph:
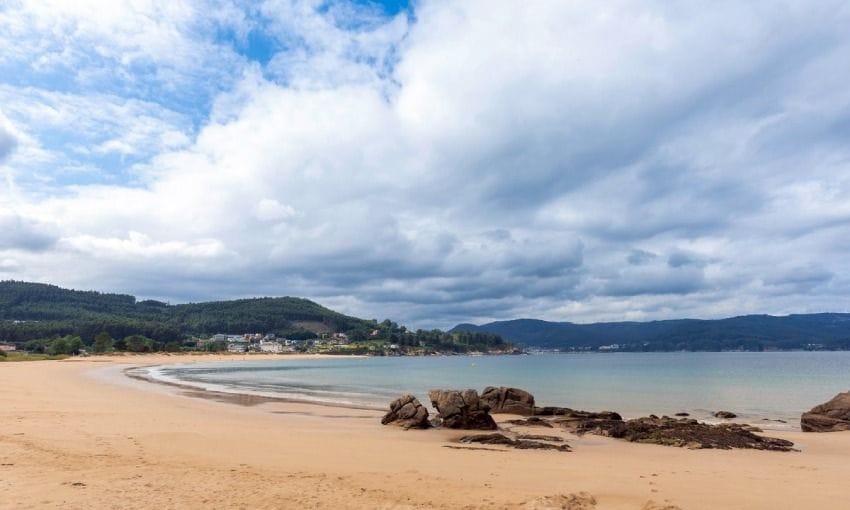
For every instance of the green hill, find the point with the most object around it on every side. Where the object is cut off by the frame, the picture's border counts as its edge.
(34, 310)
(748, 332)
(35, 313)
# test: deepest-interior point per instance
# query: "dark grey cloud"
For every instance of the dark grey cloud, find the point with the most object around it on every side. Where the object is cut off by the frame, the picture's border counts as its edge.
(639, 257)
(684, 258)
(20, 233)
(799, 279)
(651, 282)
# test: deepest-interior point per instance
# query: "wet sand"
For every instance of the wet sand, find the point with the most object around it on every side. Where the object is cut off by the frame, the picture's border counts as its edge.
(78, 433)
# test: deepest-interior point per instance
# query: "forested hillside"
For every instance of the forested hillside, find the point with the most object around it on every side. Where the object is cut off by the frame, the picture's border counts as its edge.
(35, 315)
(33, 310)
(749, 332)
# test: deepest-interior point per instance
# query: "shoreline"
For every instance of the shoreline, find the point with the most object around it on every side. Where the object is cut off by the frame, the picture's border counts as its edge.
(238, 397)
(72, 436)
(770, 422)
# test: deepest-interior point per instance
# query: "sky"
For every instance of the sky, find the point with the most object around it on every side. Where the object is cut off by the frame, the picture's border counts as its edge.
(432, 162)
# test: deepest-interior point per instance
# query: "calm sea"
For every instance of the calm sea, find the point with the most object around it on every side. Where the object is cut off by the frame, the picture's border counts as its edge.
(777, 385)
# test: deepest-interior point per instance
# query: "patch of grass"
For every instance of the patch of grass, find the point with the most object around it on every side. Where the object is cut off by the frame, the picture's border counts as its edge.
(21, 356)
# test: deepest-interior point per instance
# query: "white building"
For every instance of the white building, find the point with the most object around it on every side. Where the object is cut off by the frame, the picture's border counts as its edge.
(237, 346)
(612, 347)
(272, 346)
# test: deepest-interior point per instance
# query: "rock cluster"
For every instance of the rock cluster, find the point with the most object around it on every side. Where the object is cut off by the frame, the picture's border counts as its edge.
(532, 421)
(467, 410)
(831, 416)
(462, 409)
(690, 433)
(582, 422)
(407, 412)
(508, 400)
(520, 443)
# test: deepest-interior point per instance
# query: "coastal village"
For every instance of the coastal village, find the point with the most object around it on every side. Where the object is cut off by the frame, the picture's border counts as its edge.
(272, 344)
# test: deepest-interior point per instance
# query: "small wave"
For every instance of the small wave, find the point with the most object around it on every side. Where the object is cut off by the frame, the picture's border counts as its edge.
(170, 375)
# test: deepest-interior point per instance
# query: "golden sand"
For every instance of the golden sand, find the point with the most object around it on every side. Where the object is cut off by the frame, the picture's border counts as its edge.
(78, 434)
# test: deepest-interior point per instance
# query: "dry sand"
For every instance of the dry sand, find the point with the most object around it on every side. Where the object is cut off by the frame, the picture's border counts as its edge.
(79, 434)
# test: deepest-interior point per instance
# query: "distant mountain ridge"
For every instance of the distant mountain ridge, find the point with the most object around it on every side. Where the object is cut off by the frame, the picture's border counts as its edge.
(748, 332)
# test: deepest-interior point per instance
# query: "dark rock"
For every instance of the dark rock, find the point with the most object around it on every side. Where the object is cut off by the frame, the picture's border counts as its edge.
(582, 422)
(462, 409)
(536, 437)
(726, 415)
(531, 421)
(831, 416)
(407, 412)
(520, 444)
(682, 414)
(552, 411)
(689, 433)
(494, 438)
(508, 400)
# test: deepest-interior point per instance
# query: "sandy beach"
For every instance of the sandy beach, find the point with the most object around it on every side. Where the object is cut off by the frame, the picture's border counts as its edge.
(78, 433)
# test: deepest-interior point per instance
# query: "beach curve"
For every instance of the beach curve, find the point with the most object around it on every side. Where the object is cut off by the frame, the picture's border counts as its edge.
(71, 437)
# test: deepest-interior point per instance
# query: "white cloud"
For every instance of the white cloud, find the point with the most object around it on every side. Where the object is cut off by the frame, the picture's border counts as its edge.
(269, 209)
(137, 245)
(487, 160)
(132, 35)
(8, 265)
(8, 141)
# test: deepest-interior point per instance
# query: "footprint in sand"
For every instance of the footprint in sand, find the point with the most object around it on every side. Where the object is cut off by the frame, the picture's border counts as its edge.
(652, 505)
(579, 501)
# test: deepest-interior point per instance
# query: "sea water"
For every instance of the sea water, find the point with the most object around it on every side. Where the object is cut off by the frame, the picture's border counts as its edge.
(756, 386)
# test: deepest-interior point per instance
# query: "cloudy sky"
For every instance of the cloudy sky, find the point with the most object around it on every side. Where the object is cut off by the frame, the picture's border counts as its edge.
(435, 161)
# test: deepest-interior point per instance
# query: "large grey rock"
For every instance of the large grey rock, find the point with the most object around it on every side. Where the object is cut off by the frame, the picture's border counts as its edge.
(832, 416)
(508, 400)
(407, 412)
(462, 409)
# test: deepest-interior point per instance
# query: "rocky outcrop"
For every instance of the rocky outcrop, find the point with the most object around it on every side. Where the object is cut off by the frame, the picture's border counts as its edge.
(531, 421)
(574, 413)
(581, 422)
(552, 411)
(407, 412)
(538, 437)
(725, 415)
(520, 444)
(831, 416)
(508, 400)
(462, 409)
(689, 433)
